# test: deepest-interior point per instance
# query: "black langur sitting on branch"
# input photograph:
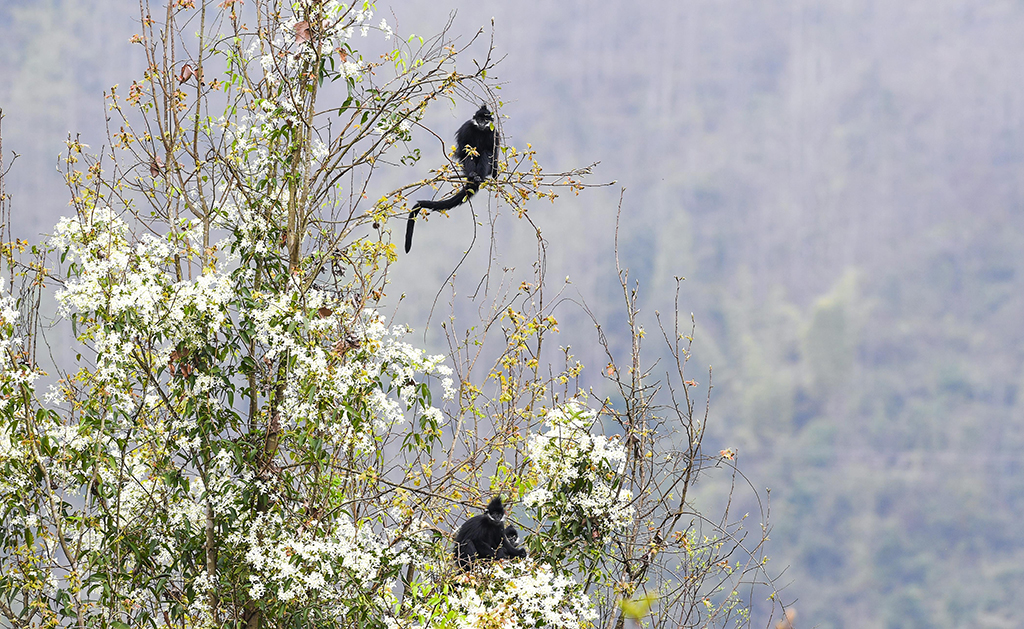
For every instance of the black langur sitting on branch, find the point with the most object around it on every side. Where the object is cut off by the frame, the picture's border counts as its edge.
(484, 537)
(477, 145)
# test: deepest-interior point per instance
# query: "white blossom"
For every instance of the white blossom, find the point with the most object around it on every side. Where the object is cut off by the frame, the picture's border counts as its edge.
(522, 595)
(576, 471)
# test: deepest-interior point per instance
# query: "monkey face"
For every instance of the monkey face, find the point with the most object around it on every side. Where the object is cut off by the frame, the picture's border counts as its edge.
(495, 511)
(483, 117)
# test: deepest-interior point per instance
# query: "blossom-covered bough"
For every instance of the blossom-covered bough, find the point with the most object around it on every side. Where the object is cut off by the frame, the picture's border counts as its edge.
(245, 440)
(578, 477)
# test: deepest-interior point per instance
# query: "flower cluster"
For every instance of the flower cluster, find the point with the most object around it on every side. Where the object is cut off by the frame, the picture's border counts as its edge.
(286, 564)
(13, 372)
(334, 24)
(319, 382)
(14, 376)
(578, 474)
(336, 563)
(522, 595)
(115, 279)
(395, 127)
(118, 278)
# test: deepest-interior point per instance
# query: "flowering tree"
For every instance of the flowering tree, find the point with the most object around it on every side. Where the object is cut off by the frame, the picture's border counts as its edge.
(246, 441)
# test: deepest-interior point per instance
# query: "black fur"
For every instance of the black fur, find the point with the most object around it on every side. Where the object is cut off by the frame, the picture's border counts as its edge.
(477, 149)
(510, 545)
(484, 537)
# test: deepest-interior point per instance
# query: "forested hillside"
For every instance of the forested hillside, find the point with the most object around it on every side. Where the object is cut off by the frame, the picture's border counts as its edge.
(840, 184)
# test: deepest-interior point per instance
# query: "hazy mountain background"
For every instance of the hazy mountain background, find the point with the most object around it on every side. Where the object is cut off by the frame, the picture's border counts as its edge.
(841, 183)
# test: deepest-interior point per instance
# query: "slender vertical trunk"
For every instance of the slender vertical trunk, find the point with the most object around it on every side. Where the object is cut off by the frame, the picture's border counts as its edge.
(211, 558)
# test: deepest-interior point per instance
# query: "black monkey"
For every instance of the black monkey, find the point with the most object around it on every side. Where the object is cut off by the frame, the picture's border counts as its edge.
(510, 545)
(484, 537)
(477, 149)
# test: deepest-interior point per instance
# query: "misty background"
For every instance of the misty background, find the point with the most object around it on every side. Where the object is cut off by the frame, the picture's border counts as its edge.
(839, 182)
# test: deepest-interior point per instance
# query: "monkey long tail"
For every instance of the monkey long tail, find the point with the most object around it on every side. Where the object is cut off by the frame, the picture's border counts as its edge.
(409, 227)
(456, 199)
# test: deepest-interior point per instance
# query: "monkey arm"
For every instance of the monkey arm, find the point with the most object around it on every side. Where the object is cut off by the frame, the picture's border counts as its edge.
(508, 548)
(485, 550)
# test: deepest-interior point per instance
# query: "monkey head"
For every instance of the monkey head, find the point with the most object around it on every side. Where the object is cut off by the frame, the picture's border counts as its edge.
(495, 512)
(483, 117)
